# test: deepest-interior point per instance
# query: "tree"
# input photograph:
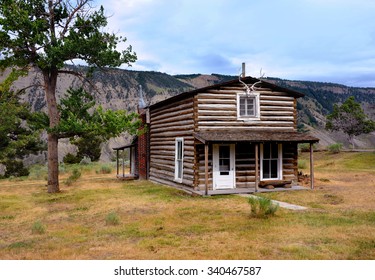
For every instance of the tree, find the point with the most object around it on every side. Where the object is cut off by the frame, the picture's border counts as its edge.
(349, 118)
(19, 135)
(43, 35)
(88, 126)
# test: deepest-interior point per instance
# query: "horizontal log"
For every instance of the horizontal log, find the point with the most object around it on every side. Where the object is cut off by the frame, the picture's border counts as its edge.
(273, 108)
(218, 95)
(188, 124)
(276, 97)
(277, 102)
(225, 128)
(171, 107)
(232, 101)
(275, 118)
(176, 116)
(217, 106)
(173, 134)
(277, 113)
(217, 113)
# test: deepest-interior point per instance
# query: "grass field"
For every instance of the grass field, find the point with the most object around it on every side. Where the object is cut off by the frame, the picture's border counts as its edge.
(99, 217)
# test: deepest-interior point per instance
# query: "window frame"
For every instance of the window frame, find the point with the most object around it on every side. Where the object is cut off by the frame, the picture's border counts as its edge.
(179, 162)
(256, 115)
(279, 162)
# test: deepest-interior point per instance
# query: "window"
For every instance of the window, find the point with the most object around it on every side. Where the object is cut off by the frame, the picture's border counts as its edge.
(179, 160)
(271, 161)
(248, 106)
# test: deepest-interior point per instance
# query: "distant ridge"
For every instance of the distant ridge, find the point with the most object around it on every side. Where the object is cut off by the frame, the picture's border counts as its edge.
(118, 89)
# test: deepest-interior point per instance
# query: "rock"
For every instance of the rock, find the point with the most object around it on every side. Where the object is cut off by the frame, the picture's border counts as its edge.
(269, 187)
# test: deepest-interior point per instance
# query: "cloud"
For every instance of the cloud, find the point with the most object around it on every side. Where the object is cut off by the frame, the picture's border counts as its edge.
(313, 39)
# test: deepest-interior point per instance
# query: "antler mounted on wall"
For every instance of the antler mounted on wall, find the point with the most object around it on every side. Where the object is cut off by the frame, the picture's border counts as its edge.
(252, 88)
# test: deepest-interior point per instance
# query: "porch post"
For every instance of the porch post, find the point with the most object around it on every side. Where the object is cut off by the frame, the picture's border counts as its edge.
(117, 155)
(206, 167)
(256, 168)
(130, 160)
(311, 167)
(123, 163)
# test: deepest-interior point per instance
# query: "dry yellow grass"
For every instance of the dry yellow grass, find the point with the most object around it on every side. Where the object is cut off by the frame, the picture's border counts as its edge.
(158, 222)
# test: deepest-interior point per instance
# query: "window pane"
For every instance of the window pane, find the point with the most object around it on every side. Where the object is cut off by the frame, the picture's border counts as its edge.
(274, 150)
(266, 151)
(242, 106)
(179, 171)
(274, 173)
(224, 160)
(224, 152)
(266, 169)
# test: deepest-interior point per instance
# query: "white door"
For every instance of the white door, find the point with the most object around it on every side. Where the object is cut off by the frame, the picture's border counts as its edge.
(223, 166)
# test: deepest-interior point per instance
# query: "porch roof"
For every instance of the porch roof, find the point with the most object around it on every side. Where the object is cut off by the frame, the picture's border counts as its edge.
(123, 147)
(254, 136)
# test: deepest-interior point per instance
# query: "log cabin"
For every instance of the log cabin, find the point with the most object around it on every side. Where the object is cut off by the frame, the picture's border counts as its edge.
(232, 137)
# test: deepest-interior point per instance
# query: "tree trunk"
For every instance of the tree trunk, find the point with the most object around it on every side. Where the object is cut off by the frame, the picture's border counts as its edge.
(50, 80)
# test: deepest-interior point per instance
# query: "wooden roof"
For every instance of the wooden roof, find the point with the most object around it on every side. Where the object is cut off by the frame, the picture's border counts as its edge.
(248, 80)
(253, 136)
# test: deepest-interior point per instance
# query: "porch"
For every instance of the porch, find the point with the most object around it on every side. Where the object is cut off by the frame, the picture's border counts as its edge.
(245, 161)
(246, 191)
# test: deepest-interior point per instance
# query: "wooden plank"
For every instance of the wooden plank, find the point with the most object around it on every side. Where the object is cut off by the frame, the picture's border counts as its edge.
(276, 97)
(217, 106)
(206, 167)
(256, 168)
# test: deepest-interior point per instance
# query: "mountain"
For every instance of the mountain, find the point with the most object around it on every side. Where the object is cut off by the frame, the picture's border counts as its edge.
(118, 89)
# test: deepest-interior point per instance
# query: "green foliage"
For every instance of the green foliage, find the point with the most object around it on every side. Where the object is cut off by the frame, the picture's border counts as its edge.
(302, 164)
(105, 169)
(88, 127)
(15, 168)
(335, 148)
(71, 159)
(38, 228)
(262, 207)
(45, 34)
(112, 219)
(76, 174)
(349, 118)
(31, 34)
(19, 135)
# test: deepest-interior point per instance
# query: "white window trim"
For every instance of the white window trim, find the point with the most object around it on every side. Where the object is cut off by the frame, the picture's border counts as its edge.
(257, 107)
(176, 178)
(279, 164)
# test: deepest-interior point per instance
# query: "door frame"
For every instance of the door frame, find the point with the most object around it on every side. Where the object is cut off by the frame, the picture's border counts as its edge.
(215, 166)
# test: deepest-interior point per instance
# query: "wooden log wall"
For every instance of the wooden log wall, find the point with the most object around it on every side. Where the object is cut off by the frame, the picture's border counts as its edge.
(290, 161)
(166, 124)
(217, 109)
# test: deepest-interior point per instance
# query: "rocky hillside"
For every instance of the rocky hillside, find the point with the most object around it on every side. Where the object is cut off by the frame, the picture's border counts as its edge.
(118, 89)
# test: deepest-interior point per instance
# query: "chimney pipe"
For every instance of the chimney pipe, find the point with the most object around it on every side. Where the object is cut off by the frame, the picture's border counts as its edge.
(243, 70)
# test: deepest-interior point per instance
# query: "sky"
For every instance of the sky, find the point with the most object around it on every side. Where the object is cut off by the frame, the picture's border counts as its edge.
(315, 40)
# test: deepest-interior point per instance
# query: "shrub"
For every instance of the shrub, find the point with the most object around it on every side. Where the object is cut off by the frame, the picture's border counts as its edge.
(15, 168)
(38, 228)
(71, 159)
(262, 207)
(302, 164)
(74, 177)
(112, 219)
(105, 169)
(335, 148)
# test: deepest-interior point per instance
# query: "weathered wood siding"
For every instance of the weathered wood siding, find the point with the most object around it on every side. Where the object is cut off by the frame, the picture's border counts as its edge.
(217, 109)
(166, 124)
(290, 162)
